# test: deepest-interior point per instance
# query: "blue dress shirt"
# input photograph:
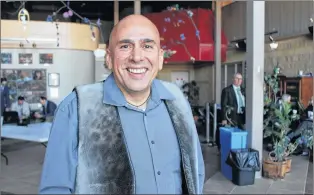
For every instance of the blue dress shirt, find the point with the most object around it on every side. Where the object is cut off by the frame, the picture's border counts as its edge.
(150, 138)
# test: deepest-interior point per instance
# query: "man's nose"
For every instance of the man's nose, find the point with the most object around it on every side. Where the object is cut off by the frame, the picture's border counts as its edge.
(137, 54)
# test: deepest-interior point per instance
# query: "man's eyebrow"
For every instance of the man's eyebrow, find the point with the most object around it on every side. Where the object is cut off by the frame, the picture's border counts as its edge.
(149, 41)
(123, 41)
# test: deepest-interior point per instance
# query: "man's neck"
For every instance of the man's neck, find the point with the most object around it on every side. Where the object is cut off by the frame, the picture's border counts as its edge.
(137, 98)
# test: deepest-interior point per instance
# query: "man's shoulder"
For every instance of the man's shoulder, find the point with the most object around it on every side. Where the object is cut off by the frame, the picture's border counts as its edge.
(88, 87)
(173, 88)
(227, 88)
(51, 103)
(68, 101)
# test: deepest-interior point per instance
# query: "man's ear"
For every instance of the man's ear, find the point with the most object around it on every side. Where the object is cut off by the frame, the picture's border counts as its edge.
(108, 59)
(161, 59)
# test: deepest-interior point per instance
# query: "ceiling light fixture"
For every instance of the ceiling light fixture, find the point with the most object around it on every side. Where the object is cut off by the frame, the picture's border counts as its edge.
(273, 45)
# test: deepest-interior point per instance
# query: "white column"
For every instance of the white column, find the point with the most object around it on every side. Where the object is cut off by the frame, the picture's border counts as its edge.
(255, 74)
(137, 7)
(218, 52)
(116, 11)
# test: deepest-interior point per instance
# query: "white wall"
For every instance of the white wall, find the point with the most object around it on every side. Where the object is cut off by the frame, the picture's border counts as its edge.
(75, 67)
(101, 72)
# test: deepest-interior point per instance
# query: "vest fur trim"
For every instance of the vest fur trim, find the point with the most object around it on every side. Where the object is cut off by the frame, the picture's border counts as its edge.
(104, 165)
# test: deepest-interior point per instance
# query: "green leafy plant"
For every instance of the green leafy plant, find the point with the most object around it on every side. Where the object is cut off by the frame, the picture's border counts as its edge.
(192, 91)
(307, 134)
(282, 145)
(277, 120)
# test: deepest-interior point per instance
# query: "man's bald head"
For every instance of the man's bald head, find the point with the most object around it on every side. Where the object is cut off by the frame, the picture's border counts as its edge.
(133, 21)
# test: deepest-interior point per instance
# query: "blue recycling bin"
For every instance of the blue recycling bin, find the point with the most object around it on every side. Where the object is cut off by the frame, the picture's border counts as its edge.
(230, 138)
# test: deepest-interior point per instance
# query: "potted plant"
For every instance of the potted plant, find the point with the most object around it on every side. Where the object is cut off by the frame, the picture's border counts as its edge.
(192, 91)
(307, 137)
(277, 121)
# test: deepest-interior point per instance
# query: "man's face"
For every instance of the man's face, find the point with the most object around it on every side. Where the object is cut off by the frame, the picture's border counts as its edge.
(20, 102)
(42, 101)
(23, 74)
(135, 56)
(237, 80)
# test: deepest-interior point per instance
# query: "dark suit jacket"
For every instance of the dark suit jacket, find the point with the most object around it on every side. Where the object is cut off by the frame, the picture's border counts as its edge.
(229, 98)
(308, 108)
(51, 108)
(5, 99)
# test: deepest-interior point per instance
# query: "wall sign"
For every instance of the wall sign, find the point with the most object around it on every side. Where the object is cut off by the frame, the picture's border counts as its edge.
(53, 79)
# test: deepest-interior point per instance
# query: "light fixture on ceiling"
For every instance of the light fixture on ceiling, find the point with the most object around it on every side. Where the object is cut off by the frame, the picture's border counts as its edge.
(273, 45)
(271, 38)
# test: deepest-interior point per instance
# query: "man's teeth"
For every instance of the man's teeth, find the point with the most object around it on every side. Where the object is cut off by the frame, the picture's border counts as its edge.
(137, 71)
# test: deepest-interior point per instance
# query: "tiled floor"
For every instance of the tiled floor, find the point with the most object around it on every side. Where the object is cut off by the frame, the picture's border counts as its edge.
(309, 180)
(22, 175)
(298, 181)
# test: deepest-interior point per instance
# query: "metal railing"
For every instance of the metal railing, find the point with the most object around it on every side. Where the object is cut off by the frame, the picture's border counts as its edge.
(211, 141)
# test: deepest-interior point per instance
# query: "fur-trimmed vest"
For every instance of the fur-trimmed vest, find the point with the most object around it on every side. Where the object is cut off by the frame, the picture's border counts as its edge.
(104, 165)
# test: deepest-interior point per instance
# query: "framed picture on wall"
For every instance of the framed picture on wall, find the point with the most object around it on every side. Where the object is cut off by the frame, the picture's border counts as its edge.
(39, 75)
(30, 83)
(6, 58)
(25, 58)
(46, 58)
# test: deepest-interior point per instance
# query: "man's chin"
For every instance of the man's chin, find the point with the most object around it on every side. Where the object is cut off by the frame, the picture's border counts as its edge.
(138, 86)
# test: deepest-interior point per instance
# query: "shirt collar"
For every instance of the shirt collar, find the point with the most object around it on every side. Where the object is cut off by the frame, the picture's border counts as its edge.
(236, 87)
(114, 96)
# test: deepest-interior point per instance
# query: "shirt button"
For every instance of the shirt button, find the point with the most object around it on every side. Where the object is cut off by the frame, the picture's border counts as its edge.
(158, 172)
(152, 142)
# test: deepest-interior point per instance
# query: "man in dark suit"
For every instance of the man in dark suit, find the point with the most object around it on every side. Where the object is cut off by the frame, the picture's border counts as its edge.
(48, 109)
(5, 98)
(234, 96)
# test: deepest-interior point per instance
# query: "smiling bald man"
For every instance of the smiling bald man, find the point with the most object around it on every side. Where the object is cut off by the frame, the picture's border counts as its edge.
(130, 134)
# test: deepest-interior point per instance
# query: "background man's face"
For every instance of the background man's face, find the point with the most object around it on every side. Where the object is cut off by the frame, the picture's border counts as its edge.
(42, 101)
(237, 80)
(20, 102)
(136, 56)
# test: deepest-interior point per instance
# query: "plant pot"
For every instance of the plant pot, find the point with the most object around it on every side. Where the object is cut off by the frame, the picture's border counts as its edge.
(288, 165)
(275, 170)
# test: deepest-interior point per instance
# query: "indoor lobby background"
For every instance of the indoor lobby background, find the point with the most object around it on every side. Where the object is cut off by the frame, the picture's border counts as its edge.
(70, 52)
